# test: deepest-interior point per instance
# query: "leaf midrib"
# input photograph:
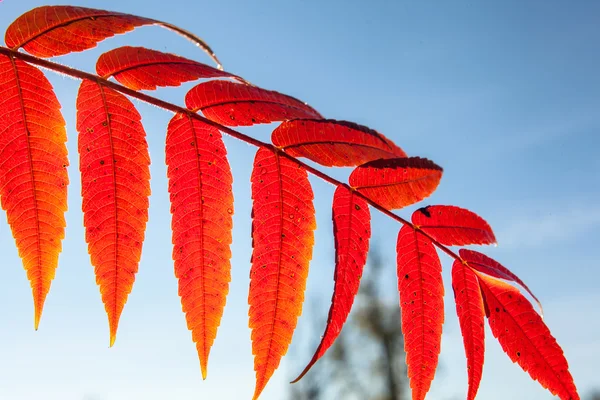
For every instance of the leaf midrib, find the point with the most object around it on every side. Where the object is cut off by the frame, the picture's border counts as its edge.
(39, 287)
(224, 103)
(339, 141)
(114, 176)
(272, 325)
(421, 289)
(69, 22)
(421, 178)
(471, 360)
(201, 211)
(554, 372)
(156, 63)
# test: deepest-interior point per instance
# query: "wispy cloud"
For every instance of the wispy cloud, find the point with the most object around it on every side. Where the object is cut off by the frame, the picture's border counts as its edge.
(544, 228)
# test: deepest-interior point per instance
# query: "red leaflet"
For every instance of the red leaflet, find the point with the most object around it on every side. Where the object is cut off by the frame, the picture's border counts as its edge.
(33, 171)
(115, 185)
(469, 308)
(453, 226)
(483, 263)
(333, 143)
(282, 236)
(352, 231)
(422, 304)
(139, 68)
(235, 104)
(56, 30)
(50, 31)
(525, 338)
(396, 182)
(202, 206)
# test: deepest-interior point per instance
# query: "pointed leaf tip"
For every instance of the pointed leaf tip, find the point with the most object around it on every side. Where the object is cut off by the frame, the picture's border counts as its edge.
(49, 31)
(525, 338)
(482, 263)
(36, 322)
(352, 232)
(283, 238)
(115, 186)
(139, 68)
(33, 172)
(422, 302)
(470, 312)
(113, 326)
(200, 188)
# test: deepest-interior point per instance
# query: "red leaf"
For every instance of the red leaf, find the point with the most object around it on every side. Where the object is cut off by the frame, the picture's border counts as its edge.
(115, 185)
(525, 338)
(396, 182)
(50, 31)
(469, 308)
(139, 68)
(33, 171)
(333, 143)
(422, 302)
(282, 236)
(453, 226)
(352, 231)
(483, 263)
(202, 206)
(236, 104)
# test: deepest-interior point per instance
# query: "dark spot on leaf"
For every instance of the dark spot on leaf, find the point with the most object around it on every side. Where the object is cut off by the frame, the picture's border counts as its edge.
(425, 211)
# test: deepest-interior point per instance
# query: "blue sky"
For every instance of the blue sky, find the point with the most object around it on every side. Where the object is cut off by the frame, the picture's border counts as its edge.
(504, 95)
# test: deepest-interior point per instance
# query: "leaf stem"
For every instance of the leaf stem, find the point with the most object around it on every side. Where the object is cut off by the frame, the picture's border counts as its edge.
(75, 73)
